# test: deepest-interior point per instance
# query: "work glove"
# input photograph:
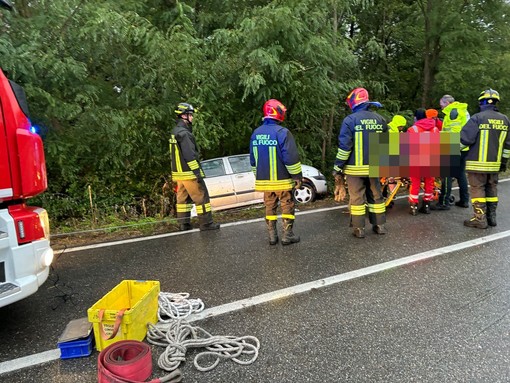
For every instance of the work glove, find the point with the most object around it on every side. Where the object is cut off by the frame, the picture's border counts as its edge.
(298, 183)
(340, 190)
(502, 167)
(168, 186)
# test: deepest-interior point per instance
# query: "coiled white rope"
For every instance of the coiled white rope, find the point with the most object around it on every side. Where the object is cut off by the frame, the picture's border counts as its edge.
(178, 335)
(174, 306)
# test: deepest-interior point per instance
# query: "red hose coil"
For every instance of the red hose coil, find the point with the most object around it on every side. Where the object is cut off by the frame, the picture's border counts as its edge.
(128, 361)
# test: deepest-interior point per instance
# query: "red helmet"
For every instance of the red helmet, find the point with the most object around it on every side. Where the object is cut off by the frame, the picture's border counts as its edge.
(356, 97)
(274, 109)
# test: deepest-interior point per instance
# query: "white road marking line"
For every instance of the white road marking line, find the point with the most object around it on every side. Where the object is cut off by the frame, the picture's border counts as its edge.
(51, 355)
(305, 287)
(29, 361)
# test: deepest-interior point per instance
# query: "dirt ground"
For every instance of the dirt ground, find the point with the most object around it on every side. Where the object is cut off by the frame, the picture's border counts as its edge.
(59, 241)
(232, 215)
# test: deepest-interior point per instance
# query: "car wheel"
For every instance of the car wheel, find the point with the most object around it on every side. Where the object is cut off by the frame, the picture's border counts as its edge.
(305, 194)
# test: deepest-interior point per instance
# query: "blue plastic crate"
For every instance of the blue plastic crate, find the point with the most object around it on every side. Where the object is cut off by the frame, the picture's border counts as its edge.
(76, 348)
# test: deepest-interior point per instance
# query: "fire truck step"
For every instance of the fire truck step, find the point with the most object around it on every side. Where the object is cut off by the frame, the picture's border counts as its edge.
(8, 288)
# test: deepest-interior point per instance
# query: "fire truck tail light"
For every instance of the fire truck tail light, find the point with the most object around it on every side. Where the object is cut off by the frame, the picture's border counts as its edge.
(31, 223)
(21, 229)
(45, 222)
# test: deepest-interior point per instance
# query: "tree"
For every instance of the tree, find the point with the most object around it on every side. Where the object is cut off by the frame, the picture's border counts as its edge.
(103, 77)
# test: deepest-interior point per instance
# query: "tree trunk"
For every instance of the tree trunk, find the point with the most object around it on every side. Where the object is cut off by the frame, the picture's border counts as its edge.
(23, 7)
(432, 51)
(328, 125)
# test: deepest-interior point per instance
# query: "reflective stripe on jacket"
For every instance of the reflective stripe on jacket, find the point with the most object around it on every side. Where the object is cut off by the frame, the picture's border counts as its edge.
(486, 134)
(274, 157)
(184, 153)
(352, 155)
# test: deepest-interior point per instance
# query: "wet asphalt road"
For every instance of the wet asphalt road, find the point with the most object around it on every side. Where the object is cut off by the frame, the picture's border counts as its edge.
(445, 319)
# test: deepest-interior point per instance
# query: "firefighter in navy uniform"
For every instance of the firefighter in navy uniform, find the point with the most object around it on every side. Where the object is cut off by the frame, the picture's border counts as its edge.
(352, 160)
(188, 174)
(486, 135)
(275, 162)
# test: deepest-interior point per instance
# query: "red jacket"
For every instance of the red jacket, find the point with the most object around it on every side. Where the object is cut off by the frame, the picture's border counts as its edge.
(439, 123)
(424, 125)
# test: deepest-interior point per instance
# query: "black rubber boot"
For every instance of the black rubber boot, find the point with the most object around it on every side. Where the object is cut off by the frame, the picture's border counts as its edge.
(185, 227)
(425, 207)
(479, 219)
(288, 235)
(462, 204)
(438, 206)
(273, 233)
(210, 226)
(413, 208)
(207, 223)
(379, 229)
(491, 213)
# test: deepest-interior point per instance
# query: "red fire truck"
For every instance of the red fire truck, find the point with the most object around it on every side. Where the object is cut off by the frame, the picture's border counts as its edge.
(25, 252)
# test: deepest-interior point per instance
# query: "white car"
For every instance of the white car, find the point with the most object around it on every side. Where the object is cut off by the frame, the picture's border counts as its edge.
(231, 182)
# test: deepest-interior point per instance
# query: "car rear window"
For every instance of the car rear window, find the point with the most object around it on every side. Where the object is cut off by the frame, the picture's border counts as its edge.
(213, 168)
(240, 164)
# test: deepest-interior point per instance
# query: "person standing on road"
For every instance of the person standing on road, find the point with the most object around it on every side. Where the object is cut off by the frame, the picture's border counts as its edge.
(275, 162)
(455, 116)
(188, 174)
(486, 136)
(422, 125)
(352, 160)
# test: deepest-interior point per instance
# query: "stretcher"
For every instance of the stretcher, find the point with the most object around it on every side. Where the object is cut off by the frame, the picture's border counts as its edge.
(391, 185)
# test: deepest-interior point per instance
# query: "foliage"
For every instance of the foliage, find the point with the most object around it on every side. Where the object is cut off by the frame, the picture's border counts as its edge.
(103, 77)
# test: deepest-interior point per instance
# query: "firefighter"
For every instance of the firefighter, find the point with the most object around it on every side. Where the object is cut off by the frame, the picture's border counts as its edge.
(422, 125)
(486, 135)
(275, 162)
(352, 160)
(188, 174)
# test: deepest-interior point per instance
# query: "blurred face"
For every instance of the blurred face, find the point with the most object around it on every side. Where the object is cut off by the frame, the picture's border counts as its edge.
(188, 117)
(443, 103)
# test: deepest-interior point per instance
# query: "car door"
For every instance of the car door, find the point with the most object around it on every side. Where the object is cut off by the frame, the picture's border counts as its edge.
(243, 179)
(219, 183)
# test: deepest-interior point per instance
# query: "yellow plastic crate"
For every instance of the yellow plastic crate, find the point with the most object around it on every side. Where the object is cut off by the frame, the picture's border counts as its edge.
(139, 299)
